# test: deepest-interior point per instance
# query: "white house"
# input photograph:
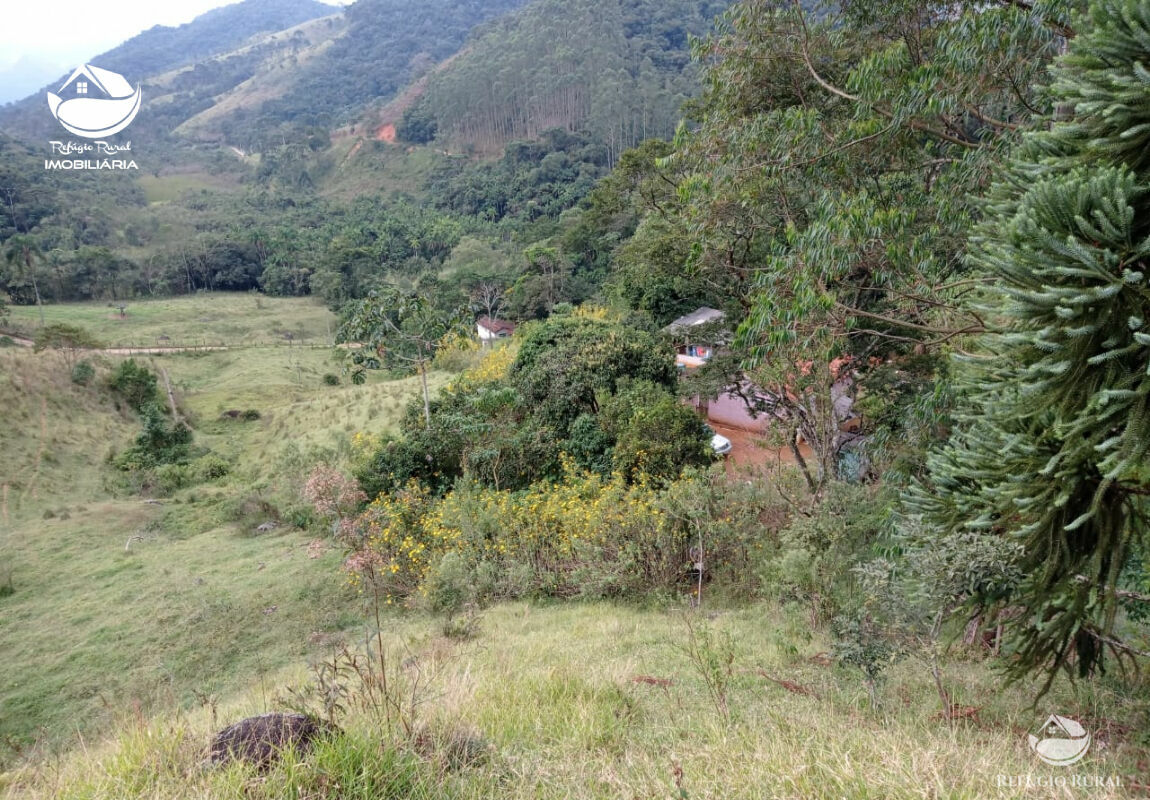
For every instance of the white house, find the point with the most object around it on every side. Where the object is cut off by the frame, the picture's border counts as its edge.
(491, 329)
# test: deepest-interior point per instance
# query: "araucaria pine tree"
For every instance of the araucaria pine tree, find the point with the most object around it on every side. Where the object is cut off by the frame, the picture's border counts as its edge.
(1054, 421)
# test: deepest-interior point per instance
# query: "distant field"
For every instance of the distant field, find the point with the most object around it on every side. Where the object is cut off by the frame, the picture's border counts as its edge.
(218, 318)
(166, 188)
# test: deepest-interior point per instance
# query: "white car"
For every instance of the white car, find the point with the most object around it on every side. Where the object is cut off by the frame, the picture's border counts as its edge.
(720, 444)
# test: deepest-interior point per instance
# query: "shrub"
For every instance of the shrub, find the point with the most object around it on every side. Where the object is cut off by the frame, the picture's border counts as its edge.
(330, 379)
(332, 494)
(584, 535)
(251, 415)
(173, 477)
(210, 468)
(83, 373)
(136, 384)
(449, 584)
(160, 442)
(655, 435)
(816, 554)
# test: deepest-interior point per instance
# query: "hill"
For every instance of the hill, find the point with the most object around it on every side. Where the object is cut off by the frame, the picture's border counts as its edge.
(114, 601)
(220, 30)
(196, 45)
(619, 70)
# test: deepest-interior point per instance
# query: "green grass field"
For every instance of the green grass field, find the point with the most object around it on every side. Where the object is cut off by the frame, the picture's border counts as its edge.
(585, 701)
(236, 318)
(166, 188)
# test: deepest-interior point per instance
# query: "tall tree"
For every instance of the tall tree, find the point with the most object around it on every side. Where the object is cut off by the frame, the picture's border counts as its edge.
(393, 328)
(830, 176)
(24, 254)
(1055, 420)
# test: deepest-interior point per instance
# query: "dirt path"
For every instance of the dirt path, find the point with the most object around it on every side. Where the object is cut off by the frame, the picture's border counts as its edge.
(135, 351)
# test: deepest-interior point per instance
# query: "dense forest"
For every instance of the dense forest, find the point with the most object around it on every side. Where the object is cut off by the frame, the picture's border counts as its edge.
(618, 70)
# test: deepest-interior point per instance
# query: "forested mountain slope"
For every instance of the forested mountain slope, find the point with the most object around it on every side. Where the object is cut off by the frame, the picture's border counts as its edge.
(201, 42)
(220, 30)
(619, 69)
(389, 43)
(584, 80)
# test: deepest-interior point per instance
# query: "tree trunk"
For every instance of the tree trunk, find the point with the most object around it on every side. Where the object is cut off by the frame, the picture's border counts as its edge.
(39, 302)
(426, 395)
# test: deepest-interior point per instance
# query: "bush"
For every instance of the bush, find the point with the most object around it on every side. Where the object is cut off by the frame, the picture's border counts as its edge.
(136, 384)
(655, 435)
(330, 379)
(816, 554)
(173, 477)
(210, 467)
(449, 585)
(159, 443)
(83, 373)
(251, 415)
(585, 535)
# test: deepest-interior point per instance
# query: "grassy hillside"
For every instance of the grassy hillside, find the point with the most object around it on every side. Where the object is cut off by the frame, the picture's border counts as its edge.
(600, 701)
(119, 603)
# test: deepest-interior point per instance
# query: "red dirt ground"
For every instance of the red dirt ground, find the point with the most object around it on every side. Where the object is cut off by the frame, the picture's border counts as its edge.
(747, 451)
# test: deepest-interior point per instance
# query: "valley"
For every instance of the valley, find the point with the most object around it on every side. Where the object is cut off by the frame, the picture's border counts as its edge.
(540, 399)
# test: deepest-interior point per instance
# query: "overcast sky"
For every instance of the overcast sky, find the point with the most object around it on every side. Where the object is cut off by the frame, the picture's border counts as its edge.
(42, 39)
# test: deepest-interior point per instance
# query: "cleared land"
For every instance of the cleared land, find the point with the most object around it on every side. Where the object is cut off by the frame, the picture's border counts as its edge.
(219, 318)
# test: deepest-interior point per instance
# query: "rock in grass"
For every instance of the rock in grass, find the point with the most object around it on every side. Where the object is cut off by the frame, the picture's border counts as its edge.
(260, 740)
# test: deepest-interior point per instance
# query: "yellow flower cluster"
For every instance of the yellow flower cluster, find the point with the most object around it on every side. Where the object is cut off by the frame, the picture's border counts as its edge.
(557, 528)
(495, 366)
(364, 446)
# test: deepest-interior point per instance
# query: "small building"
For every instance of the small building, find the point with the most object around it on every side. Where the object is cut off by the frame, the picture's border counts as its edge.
(490, 329)
(696, 336)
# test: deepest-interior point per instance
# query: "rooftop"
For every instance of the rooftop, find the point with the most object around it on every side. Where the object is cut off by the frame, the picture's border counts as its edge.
(700, 316)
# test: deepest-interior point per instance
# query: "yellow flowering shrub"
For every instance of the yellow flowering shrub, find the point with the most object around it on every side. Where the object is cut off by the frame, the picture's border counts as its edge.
(495, 366)
(584, 534)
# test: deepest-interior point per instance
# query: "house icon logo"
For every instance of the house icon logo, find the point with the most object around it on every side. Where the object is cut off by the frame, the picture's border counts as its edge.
(1065, 742)
(95, 102)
